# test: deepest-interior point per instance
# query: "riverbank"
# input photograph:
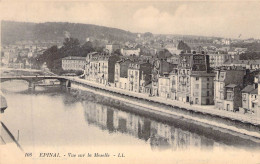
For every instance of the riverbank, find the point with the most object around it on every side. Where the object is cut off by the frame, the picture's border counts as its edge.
(207, 109)
(154, 107)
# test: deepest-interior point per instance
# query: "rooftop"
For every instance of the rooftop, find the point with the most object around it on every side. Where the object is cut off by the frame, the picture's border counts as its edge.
(74, 58)
(255, 91)
(248, 89)
(202, 74)
(231, 86)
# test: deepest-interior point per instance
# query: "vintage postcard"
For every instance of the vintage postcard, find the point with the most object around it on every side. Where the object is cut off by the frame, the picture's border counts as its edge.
(130, 82)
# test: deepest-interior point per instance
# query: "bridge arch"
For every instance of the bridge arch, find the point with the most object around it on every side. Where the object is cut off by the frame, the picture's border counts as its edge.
(20, 79)
(33, 79)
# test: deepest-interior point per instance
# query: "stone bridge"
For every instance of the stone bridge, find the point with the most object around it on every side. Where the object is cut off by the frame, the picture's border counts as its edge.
(33, 79)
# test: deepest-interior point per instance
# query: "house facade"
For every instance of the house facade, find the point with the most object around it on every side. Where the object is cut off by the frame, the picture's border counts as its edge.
(136, 72)
(74, 63)
(227, 88)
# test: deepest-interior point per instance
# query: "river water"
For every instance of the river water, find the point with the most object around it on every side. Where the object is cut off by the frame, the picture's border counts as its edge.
(52, 118)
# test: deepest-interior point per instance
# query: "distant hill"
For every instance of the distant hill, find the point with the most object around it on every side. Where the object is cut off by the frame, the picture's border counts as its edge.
(18, 31)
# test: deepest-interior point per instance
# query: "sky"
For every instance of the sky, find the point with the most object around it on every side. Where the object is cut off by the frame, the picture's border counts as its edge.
(223, 19)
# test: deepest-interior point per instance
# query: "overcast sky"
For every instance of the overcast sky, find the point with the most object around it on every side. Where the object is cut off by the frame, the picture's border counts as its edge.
(224, 19)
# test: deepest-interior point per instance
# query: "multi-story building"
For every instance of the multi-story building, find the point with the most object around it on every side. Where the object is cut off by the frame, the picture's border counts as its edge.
(202, 88)
(89, 75)
(91, 70)
(139, 75)
(160, 68)
(121, 71)
(218, 59)
(253, 99)
(184, 72)
(246, 104)
(227, 88)
(248, 64)
(101, 68)
(164, 88)
(173, 84)
(202, 83)
(74, 63)
(195, 79)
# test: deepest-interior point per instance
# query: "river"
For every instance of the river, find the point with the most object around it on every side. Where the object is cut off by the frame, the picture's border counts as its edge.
(52, 118)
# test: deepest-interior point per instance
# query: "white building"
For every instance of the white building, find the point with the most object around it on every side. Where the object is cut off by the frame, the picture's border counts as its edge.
(73, 63)
(164, 87)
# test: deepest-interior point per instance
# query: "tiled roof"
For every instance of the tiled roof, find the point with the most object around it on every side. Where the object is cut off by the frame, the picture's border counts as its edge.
(248, 89)
(255, 91)
(92, 53)
(74, 58)
(231, 85)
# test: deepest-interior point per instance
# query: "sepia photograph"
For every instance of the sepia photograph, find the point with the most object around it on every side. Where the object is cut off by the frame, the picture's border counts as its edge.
(132, 81)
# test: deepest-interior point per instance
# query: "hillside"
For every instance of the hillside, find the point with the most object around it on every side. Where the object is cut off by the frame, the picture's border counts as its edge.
(17, 31)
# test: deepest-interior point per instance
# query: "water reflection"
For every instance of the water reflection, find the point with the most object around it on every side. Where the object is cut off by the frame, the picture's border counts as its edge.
(107, 122)
(157, 134)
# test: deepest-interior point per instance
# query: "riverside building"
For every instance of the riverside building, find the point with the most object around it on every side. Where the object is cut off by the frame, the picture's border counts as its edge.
(121, 73)
(228, 85)
(139, 74)
(195, 79)
(74, 63)
(101, 68)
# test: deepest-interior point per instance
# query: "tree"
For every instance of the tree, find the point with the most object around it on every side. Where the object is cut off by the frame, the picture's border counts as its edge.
(86, 48)
(183, 46)
(148, 35)
(49, 56)
(164, 54)
(71, 47)
(250, 56)
(118, 52)
(71, 42)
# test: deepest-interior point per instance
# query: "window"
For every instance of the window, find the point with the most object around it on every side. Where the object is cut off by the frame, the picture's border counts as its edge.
(197, 86)
(244, 96)
(207, 93)
(197, 78)
(207, 85)
(207, 79)
(196, 101)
